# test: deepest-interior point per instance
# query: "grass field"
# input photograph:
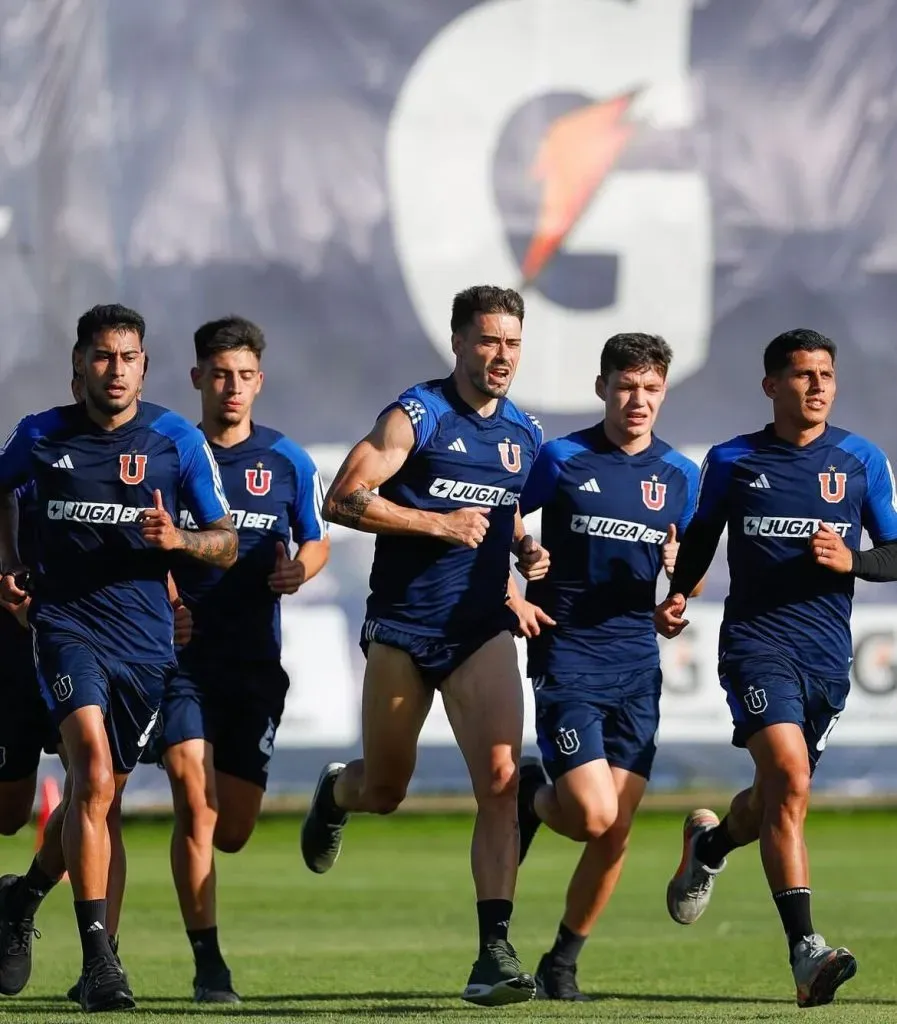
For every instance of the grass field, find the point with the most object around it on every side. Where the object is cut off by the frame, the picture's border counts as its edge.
(389, 934)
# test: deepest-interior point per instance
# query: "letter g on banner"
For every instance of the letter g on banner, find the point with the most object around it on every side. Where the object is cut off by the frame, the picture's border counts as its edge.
(471, 79)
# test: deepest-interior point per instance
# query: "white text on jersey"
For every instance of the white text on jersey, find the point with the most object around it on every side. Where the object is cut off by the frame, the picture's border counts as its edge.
(784, 526)
(242, 520)
(94, 512)
(472, 494)
(616, 529)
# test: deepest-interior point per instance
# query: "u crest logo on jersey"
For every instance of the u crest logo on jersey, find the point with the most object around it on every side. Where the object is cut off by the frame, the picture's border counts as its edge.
(833, 486)
(258, 480)
(510, 455)
(654, 494)
(133, 468)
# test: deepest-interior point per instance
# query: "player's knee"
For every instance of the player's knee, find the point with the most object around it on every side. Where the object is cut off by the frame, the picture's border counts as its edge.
(786, 791)
(94, 784)
(616, 838)
(384, 799)
(595, 820)
(231, 837)
(499, 785)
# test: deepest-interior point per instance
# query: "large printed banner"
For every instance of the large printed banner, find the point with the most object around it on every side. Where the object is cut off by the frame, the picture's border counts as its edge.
(715, 171)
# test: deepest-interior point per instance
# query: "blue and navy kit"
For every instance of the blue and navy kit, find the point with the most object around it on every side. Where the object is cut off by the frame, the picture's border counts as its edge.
(785, 641)
(275, 494)
(605, 517)
(96, 578)
(425, 587)
(230, 687)
(100, 613)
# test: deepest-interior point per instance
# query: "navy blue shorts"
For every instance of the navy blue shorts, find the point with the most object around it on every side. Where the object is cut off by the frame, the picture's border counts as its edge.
(764, 688)
(236, 706)
(26, 727)
(73, 675)
(434, 657)
(583, 718)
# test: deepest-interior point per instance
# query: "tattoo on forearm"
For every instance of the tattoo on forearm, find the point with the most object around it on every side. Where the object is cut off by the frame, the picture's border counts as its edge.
(217, 545)
(349, 510)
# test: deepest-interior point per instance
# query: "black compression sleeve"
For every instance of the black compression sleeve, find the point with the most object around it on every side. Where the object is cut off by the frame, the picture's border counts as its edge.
(877, 565)
(695, 555)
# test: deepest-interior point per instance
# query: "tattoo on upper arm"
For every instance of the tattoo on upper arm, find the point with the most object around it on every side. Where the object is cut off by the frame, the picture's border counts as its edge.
(215, 543)
(348, 511)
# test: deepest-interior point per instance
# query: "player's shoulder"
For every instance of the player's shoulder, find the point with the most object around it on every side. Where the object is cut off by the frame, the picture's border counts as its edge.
(49, 423)
(420, 400)
(738, 447)
(668, 455)
(861, 448)
(169, 424)
(523, 419)
(562, 449)
(274, 441)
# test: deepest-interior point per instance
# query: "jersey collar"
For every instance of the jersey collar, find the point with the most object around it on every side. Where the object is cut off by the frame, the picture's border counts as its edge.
(604, 446)
(450, 390)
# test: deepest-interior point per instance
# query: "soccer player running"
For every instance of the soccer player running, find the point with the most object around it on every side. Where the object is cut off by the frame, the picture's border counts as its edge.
(450, 458)
(222, 708)
(104, 473)
(614, 498)
(795, 497)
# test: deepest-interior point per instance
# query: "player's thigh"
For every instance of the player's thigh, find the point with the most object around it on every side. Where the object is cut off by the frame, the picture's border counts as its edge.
(483, 701)
(395, 703)
(239, 806)
(782, 763)
(587, 796)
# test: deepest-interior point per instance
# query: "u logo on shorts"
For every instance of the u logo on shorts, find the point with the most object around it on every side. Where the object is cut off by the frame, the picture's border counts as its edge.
(567, 741)
(755, 701)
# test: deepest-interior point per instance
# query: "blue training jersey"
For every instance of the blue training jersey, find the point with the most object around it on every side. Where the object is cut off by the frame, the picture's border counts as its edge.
(605, 516)
(460, 460)
(275, 493)
(95, 578)
(772, 495)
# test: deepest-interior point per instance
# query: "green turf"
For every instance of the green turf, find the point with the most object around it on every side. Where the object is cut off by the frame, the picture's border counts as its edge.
(389, 934)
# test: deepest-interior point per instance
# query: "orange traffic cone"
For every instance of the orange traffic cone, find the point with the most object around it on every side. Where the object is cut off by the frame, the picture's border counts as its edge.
(49, 801)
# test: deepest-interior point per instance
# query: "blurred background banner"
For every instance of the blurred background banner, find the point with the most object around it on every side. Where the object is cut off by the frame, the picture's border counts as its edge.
(713, 171)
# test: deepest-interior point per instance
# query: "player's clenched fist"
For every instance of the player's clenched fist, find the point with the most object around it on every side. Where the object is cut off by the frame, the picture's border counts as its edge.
(157, 527)
(828, 549)
(533, 560)
(465, 527)
(670, 550)
(669, 618)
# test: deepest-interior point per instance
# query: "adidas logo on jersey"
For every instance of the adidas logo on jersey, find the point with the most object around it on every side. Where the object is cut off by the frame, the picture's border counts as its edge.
(64, 463)
(761, 482)
(591, 486)
(458, 446)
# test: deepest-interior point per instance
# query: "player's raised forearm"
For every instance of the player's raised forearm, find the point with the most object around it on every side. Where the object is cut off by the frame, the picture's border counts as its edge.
(215, 545)
(694, 557)
(360, 509)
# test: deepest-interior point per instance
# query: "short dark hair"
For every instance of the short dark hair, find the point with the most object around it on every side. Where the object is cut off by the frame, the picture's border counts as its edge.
(777, 355)
(114, 318)
(227, 334)
(484, 298)
(635, 352)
